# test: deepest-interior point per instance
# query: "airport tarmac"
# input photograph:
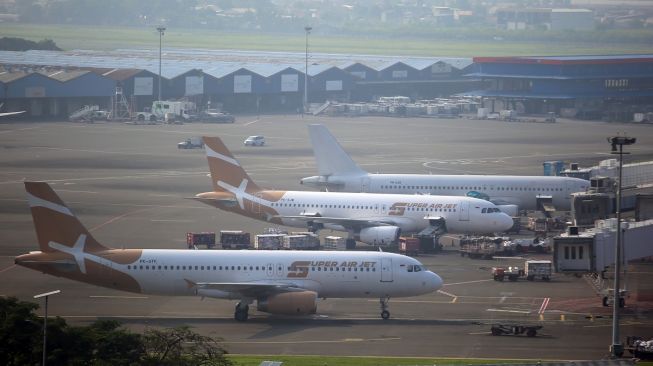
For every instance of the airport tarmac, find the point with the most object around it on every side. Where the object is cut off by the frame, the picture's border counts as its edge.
(128, 184)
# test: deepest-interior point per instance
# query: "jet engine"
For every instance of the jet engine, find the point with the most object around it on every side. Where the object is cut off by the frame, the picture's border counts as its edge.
(289, 303)
(510, 210)
(323, 182)
(380, 235)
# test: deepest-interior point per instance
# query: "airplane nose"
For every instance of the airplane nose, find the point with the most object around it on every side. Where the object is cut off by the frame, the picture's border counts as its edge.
(505, 223)
(436, 282)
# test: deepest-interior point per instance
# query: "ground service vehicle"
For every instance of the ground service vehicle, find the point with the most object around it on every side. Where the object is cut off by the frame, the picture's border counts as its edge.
(191, 143)
(255, 141)
(409, 246)
(504, 329)
(216, 116)
(538, 269)
(234, 239)
(175, 110)
(193, 240)
(512, 273)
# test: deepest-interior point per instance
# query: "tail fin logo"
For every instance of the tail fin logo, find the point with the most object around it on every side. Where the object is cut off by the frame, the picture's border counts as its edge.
(77, 251)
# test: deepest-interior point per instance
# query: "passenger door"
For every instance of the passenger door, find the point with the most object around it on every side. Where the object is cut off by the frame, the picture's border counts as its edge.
(365, 184)
(386, 270)
(464, 211)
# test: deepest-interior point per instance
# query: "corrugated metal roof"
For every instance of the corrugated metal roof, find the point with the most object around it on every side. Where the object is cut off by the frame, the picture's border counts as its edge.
(64, 75)
(7, 76)
(214, 62)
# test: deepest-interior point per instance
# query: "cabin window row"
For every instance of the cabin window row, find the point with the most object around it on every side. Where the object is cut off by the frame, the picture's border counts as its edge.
(339, 269)
(310, 205)
(473, 188)
(239, 268)
(200, 268)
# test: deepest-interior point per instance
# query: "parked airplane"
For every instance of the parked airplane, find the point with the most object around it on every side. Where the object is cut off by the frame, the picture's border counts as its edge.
(339, 173)
(376, 219)
(281, 282)
(4, 114)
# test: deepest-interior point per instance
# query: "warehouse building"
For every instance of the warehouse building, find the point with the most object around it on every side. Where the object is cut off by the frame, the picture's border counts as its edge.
(613, 88)
(237, 81)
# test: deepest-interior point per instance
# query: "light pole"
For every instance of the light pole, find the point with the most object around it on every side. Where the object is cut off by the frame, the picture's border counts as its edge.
(161, 32)
(308, 31)
(45, 321)
(617, 349)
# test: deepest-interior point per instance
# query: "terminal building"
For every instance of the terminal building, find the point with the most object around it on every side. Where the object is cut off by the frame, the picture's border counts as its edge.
(613, 88)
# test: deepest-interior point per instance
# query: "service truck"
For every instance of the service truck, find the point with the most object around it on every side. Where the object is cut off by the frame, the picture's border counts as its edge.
(191, 143)
(168, 111)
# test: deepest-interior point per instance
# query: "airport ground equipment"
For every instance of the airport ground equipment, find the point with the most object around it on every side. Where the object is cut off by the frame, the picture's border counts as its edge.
(515, 329)
(333, 242)
(639, 348)
(512, 273)
(89, 113)
(191, 143)
(535, 269)
(477, 247)
(234, 239)
(301, 241)
(269, 241)
(170, 111)
(532, 270)
(409, 245)
(194, 240)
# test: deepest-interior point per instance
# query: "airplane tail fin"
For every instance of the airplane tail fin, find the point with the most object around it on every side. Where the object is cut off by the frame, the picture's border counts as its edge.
(56, 226)
(225, 169)
(330, 157)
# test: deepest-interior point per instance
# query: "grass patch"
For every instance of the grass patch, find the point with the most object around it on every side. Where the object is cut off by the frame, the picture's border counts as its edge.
(243, 360)
(71, 37)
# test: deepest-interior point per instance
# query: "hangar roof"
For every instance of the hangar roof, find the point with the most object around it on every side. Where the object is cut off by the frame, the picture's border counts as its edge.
(568, 60)
(213, 62)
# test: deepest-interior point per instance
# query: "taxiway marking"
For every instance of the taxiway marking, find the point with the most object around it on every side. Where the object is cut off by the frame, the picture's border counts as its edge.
(116, 297)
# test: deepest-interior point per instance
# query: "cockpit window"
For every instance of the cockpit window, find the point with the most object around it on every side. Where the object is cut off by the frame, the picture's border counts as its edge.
(415, 268)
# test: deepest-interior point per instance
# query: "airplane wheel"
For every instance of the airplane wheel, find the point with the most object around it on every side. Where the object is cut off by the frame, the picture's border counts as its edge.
(350, 244)
(385, 315)
(531, 333)
(242, 313)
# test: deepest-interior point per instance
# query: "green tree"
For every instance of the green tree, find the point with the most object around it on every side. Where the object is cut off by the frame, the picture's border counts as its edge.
(20, 333)
(180, 346)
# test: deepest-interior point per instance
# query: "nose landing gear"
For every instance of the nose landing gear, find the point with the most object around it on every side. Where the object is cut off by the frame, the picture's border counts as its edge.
(385, 314)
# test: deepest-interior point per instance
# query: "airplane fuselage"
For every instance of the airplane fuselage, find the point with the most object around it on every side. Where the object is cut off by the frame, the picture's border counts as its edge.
(514, 190)
(410, 213)
(173, 272)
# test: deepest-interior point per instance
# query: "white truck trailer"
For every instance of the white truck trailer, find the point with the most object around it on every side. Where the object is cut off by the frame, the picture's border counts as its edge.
(168, 111)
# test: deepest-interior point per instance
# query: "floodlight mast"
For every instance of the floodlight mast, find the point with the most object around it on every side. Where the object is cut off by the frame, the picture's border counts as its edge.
(305, 106)
(45, 322)
(617, 348)
(161, 31)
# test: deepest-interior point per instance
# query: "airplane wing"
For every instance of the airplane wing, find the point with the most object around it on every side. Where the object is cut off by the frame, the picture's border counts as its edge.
(4, 114)
(213, 201)
(344, 222)
(249, 289)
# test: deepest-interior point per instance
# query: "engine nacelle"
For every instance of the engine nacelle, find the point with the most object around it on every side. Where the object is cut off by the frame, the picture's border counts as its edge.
(289, 303)
(323, 182)
(380, 235)
(510, 210)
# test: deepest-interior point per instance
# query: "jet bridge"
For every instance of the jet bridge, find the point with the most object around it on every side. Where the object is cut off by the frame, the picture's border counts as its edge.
(592, 251)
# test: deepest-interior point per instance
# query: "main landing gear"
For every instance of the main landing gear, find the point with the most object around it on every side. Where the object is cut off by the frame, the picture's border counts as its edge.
(385, 314)
(242, 312)
(350, 244)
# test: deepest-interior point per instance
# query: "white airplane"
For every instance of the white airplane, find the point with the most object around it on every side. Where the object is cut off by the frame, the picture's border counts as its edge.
(281, 282)
(4, 114)
(376, 219)
(339, 173)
